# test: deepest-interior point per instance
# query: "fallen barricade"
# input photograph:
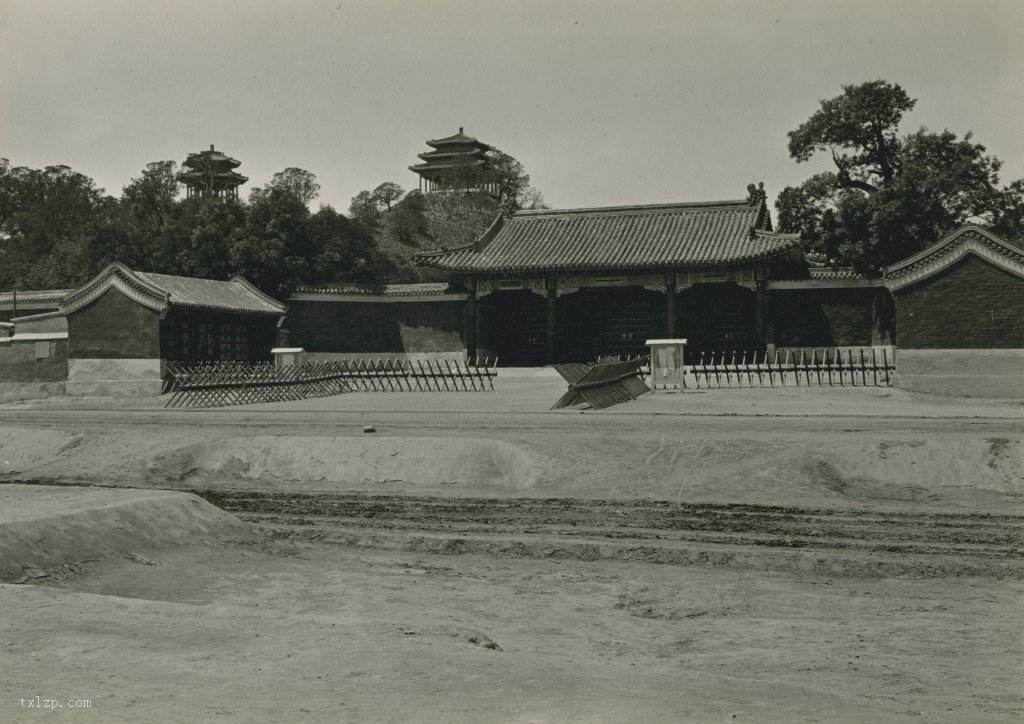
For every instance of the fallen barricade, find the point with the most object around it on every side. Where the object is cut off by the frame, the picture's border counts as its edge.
(218, 384)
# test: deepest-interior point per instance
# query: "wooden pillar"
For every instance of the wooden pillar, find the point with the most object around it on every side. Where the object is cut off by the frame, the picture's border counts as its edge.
(670, 301)
(763, 324)
(471, 322)
(552, 353)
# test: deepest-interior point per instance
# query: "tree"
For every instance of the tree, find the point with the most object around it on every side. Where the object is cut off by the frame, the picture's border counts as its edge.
(387, 193)
(46, 212)
(889, 195)
(344, 251)
(365, 209)
(296, 182)
(272, 249)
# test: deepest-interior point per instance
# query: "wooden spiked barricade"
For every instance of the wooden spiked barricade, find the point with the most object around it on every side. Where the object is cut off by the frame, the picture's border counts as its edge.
(602, 384)
(816, 368)
(216, 384)
(439, 375)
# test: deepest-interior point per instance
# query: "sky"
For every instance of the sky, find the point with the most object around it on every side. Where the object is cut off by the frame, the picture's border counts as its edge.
(604, 103)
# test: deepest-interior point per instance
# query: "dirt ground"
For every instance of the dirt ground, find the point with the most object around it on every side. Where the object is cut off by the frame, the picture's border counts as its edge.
(821, 555)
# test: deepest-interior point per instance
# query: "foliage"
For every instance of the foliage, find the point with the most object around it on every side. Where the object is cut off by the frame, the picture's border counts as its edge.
(404, 225)
(58, 230)
(46, 216)
(297, 183)
(387, 193)
(890, 195)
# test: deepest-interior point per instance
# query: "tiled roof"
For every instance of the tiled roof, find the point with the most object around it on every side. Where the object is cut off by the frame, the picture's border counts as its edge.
(234, 295)
(842, 272)
(211, 157)
(442, 165)
(159, 291)
(38, 296)
(389, 290)
(457, 138)
(664, 236)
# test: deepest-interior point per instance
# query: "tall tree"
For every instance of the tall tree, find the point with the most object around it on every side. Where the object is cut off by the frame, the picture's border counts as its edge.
(45, 212)
(890, 195)
(387, 193)
(296, 182)
(273, 248)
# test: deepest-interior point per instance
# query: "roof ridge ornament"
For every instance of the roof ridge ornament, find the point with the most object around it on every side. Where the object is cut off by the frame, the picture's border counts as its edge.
(756, 194)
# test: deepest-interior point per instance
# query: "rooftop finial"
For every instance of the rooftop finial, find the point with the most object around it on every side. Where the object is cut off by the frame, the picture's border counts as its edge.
(756, 194)
(460, 129)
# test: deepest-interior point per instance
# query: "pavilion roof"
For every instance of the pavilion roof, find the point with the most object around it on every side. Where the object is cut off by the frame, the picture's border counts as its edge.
(446, 165)
(204, 159)
(459, 138)
(620, 238)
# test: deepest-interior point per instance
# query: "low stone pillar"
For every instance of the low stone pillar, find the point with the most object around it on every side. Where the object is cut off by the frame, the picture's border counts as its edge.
(667, 363)
(288, 356)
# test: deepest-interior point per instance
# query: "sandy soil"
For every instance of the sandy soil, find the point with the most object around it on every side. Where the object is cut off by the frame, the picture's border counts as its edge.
(825, 451)
(302, 632)
(827, 555)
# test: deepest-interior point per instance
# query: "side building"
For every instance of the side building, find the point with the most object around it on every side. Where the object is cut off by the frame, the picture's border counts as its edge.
(116, 334)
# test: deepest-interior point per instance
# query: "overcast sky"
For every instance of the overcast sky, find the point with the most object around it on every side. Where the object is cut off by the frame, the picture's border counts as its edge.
(604, 103)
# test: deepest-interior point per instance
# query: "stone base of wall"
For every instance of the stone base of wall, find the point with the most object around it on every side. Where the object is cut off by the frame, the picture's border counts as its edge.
(962, 372)
(115, 377)
(412, 356)
(13, 391)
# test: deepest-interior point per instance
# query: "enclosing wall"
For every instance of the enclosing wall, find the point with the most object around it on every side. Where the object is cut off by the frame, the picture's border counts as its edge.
(970, 305)
(384, 327)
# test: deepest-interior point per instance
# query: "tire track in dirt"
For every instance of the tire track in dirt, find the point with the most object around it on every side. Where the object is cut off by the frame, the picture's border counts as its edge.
(773, 537)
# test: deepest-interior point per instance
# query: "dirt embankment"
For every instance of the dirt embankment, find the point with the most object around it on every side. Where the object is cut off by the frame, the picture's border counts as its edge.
(45, 528)
(828, 469)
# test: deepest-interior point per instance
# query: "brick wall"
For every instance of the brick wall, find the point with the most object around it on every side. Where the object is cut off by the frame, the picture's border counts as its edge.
(826, 317)
(970, 305)
(114, 327)
(19, 361)
(376, 327)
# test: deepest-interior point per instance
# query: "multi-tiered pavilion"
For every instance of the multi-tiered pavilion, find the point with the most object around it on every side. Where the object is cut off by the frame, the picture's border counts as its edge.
(456, 163)
(211, 174)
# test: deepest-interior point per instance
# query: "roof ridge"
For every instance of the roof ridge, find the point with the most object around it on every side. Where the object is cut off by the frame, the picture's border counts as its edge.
(731, 203)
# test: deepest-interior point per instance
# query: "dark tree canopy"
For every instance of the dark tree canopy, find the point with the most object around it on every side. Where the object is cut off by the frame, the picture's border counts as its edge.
(890, 195)
(57, 229)
(298, 183)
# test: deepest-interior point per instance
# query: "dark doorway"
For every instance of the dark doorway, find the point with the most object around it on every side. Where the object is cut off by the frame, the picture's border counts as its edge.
(718, 318)
(608, 322)
(514, 325)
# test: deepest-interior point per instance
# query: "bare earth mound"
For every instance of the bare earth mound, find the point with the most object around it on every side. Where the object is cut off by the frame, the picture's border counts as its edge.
(353, 461)
(45, 527)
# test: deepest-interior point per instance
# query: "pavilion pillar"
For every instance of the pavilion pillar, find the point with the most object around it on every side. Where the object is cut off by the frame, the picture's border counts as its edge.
(552, 299)
(670, 301)
(471, 322)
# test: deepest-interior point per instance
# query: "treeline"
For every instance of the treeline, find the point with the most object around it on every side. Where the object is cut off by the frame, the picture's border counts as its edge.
(57, 229)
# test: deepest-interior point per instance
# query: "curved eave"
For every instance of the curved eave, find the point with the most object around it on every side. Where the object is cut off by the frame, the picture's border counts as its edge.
(229, 310)
(437, 261)
(117, 276)
(948, 251)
